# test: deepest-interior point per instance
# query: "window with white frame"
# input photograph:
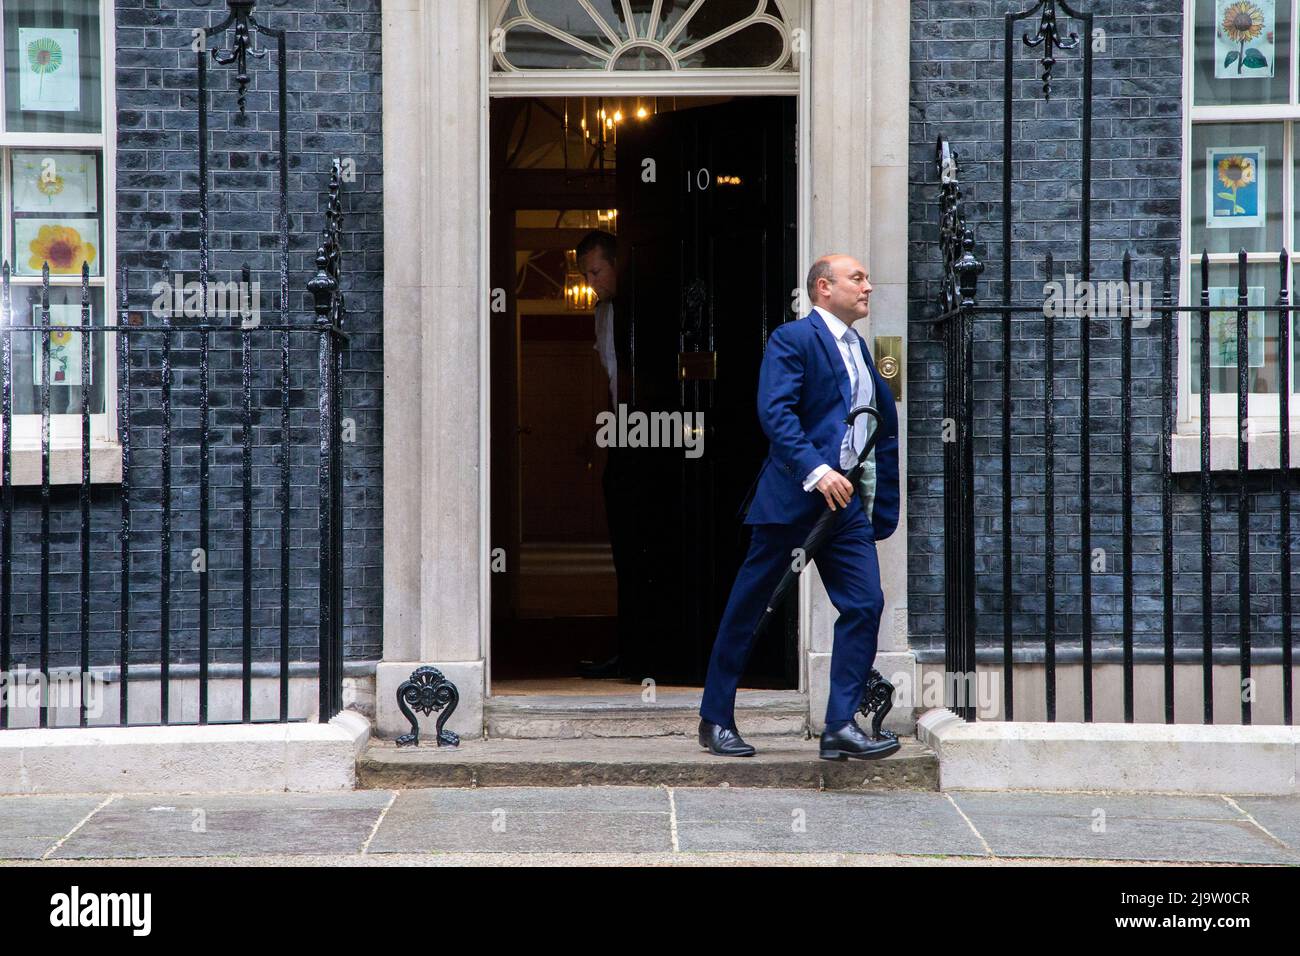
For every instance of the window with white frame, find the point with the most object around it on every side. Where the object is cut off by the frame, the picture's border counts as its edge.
(1241, 179)
(644, 35)
(55, 191)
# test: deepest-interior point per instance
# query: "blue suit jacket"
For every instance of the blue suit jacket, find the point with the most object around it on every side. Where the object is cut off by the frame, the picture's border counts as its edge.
(803, 399)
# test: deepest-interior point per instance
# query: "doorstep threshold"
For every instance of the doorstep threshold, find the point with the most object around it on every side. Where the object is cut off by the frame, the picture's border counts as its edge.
(787, 761)
(791, 701)
(668, 713)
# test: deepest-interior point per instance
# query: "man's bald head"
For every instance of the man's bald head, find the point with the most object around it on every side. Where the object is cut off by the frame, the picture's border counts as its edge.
(821, 269)
(839, 283)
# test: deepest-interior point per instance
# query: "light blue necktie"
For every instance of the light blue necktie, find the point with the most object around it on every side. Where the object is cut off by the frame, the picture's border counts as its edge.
(862, 396)
(860, 379)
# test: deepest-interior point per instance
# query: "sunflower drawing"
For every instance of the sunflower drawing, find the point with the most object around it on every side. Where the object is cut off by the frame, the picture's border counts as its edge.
(50, 186)
(1235, 172)
(44, 56)
(62, 247)
(1242, 22)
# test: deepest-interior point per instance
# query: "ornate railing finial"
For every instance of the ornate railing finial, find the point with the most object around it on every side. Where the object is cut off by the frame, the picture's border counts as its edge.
(1049, 35)
(241, 48)
(961, 267)
(324, 285)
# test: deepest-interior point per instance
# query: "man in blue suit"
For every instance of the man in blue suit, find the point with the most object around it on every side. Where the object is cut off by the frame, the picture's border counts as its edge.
(814, 371)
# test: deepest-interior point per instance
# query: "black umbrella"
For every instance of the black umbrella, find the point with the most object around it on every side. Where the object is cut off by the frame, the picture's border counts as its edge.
(817, 536)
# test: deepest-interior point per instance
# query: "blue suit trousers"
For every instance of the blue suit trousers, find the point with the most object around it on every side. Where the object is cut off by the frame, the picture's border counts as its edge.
(849, 569)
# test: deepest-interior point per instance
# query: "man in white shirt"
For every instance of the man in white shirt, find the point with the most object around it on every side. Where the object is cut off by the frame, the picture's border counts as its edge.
(597, 255)
(861, 384)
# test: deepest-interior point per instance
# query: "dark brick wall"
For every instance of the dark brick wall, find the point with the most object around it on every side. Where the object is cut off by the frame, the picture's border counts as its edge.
(334, 110)
(957, 90)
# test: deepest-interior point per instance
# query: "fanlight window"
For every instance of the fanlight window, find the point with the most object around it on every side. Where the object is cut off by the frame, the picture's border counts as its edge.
(671, 35)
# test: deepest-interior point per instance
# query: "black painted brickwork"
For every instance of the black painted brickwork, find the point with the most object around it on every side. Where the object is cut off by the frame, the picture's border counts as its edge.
(957, 90)
(334, 110)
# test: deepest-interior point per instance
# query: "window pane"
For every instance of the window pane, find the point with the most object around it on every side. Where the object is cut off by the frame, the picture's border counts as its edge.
(1243, 51)
(55, 206)
(757, 43)
(1262, 329)
(642, 58)
(1236, 187)
(528, 48)
(1295, 339)
(66, 370)
(536, 41)
(52, 66)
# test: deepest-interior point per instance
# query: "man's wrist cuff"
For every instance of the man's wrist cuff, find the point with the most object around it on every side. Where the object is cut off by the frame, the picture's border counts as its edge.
(815, 476)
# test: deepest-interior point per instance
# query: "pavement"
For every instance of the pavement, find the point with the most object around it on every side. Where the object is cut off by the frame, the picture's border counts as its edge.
(657, 825)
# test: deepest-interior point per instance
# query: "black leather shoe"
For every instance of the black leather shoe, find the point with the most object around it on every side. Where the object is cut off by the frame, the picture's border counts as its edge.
(851, 741)
(723, 741)
(600, 670)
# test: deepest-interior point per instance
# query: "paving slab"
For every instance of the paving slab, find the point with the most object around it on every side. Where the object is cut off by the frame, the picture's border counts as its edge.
(652, 824)
(799, 821)
(784, 761)
(1279, 815)
(527, 820)
(228, 825)
(31, 825)
(590, 859)
(1118, 826)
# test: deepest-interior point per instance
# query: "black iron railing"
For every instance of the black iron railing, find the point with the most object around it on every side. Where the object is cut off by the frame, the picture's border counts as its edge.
(959, 315)
(253, 472)
(163, 376)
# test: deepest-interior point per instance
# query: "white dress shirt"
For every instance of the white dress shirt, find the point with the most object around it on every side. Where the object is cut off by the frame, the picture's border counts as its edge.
(605, 347)
(861, 386)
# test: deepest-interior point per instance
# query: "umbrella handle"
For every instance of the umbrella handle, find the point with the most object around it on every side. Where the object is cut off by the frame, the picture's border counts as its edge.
(871, 439)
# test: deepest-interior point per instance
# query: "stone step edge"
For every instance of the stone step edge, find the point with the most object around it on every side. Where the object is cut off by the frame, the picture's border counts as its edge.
(911, 771)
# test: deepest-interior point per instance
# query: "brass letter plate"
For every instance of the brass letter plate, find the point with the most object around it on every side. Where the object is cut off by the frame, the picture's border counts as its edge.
(697, 366)
(889, 362)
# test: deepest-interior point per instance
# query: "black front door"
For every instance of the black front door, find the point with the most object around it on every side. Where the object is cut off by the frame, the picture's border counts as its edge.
(706, 201)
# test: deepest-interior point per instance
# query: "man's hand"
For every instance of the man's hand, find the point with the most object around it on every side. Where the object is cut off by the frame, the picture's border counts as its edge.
(835, 488)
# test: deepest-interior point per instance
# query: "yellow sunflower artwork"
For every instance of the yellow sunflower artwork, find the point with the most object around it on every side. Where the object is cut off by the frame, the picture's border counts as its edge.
(65, 346)
(1235, 188)
(64, 245)
(1243, 39)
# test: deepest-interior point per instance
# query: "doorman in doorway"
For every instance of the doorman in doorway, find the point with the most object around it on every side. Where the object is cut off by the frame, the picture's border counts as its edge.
(814, 372)
(597, 256)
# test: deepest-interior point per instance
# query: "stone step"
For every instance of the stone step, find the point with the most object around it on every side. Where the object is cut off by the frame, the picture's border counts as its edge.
(674, 712)
(627, 714)
(788, 761)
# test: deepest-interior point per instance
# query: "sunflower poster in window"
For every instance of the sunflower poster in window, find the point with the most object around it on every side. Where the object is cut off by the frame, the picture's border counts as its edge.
(1244, 33)
(65, 346)
(1223, 327)
(64, 243)
(54, 182)
(49, 70)
(1234, 187)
